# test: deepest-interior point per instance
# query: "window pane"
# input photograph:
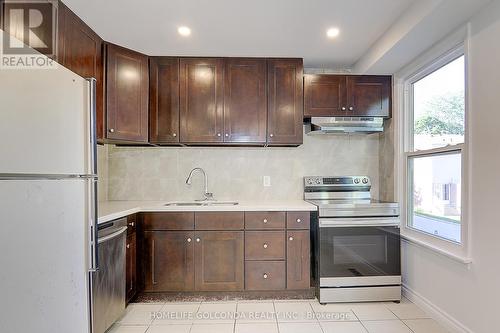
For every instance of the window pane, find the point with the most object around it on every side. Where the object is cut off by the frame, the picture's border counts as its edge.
(439, 107)
(435, 195)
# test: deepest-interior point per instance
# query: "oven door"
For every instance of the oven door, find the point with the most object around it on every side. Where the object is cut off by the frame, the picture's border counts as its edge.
(359, 252)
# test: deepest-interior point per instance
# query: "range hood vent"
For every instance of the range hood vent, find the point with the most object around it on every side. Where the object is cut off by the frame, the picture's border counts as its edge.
(336, 125)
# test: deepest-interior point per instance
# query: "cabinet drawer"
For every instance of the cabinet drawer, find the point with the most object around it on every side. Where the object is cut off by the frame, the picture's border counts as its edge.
(219, 221)
(168, 221)
(131, 224)
(264, 220)
(264, 275)
(265, 245)
(298, 220)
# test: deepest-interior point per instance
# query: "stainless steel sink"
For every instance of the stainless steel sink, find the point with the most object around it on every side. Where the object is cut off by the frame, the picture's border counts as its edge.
(202, 203)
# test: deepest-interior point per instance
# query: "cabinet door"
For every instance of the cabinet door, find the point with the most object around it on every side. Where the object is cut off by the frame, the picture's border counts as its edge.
(127, 92)
(298, 262)
(245, 100)
(131, 266)
(324, 95)
(163, 100)
(219, 261)
(369, 95)
(285, 102)
(168, 261)
(201, 100)
(80, 50)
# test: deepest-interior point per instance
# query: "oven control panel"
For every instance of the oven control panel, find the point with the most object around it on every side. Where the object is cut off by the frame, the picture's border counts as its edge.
(337, 181)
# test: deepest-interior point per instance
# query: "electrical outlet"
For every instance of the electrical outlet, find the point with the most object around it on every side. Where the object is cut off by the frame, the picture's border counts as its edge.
(267, 181)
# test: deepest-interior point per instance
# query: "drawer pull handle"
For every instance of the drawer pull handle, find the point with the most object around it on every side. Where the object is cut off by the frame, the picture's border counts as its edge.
(291, 238)
(128, 246)
(132, 224)
(265, 221)
(198, 240)
(265, 275)
(265, 245)
(189, 240)
(299, 220)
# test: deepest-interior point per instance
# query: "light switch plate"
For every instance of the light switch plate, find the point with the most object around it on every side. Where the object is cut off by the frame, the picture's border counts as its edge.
(267, 181)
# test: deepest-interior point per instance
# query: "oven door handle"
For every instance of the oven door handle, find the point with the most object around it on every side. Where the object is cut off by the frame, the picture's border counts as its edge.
(359, 222)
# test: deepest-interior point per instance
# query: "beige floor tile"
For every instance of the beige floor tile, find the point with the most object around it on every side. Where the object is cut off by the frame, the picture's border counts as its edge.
(176, 313)
(342, 327)
(256, 328)
(375, 311)
(407, 311)
(216, 313)
(140, 314)
(212, 328)
(333, 312)
(386, 326)
(251, 312)
(169, 329)
(310, 327)
(117, 328)
(294, 312)
(424, 326)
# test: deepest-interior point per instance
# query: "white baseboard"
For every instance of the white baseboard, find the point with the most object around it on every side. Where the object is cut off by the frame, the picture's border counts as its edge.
(442, 317)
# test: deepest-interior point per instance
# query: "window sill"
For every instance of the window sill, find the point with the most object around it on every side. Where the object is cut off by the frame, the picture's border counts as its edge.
(460, 259)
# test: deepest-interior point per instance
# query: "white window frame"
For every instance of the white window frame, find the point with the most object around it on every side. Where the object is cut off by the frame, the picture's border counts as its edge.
(438, 56)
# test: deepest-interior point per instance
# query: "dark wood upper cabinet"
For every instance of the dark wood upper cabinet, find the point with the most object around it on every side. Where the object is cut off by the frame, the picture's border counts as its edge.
(80, 50)
(352, 96)
(168, 260)
(127, 92)
(324, 95)
(285, 101)
(163, 100)
(369, 95)
(201, 100)
(245, 98)
(219, 261)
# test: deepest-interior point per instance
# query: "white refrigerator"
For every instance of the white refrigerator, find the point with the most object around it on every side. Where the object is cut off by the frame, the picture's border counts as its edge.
(48, 201)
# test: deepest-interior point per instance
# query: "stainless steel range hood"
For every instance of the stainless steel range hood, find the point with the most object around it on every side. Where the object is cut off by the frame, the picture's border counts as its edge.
(335, 125)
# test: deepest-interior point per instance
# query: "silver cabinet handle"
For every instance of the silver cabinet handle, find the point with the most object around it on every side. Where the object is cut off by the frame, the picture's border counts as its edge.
(343, 108)
(218, 134)
(198, 240)
(111, 130)
(131, 224)
(174, 135)
(351, 108)
(128, 246)
(291, 238)
(265, 221)
(265, 245)
(227, 135)
(299, 220)
(189, 240)
(271, 135)
(265, 276)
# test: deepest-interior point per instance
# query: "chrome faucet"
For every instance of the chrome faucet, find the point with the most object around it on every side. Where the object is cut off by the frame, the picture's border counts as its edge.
(207, 195)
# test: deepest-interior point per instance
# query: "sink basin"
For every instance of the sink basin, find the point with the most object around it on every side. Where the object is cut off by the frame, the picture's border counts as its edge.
(202, 203)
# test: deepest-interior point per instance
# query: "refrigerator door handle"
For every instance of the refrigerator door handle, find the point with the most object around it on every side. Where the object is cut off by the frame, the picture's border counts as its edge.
(93, 136)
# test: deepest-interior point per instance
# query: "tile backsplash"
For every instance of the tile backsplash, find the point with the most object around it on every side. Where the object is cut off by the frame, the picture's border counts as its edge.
(236, 173)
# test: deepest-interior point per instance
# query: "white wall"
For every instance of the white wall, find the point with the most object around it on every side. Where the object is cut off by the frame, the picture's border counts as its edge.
(468, 297)
(236, 173)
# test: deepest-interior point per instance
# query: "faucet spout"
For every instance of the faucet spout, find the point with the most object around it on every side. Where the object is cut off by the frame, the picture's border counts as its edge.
(207, 195)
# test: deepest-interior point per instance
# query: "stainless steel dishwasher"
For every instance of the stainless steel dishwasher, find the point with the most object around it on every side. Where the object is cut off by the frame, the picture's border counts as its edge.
(108, 283)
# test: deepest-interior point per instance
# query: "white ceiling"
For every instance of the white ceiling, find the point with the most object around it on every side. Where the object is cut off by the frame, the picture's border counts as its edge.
(270, 28)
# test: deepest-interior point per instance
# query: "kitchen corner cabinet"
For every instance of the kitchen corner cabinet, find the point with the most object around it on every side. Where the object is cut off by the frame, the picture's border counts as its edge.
(201, 100)
(127, 94)
(80, 50)
(163, 100)
(328, 95)
(285, 102)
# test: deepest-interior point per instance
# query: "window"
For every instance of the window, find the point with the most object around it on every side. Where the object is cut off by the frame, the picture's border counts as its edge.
(435, 139)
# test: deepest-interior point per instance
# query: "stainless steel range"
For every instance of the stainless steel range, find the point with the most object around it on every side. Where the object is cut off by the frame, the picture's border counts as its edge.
(356, 241)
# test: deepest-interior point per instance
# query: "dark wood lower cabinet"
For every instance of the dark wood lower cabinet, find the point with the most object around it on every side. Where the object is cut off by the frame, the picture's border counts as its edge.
(168, 261)
(265, 275)
(219, 261)
(131, 266)
(298, 265)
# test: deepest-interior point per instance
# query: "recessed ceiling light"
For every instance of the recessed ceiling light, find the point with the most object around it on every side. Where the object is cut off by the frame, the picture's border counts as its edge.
(184, 31)
(332, 32)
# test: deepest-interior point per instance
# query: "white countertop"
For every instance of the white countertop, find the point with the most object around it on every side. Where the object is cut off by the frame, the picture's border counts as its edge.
(111, 210)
